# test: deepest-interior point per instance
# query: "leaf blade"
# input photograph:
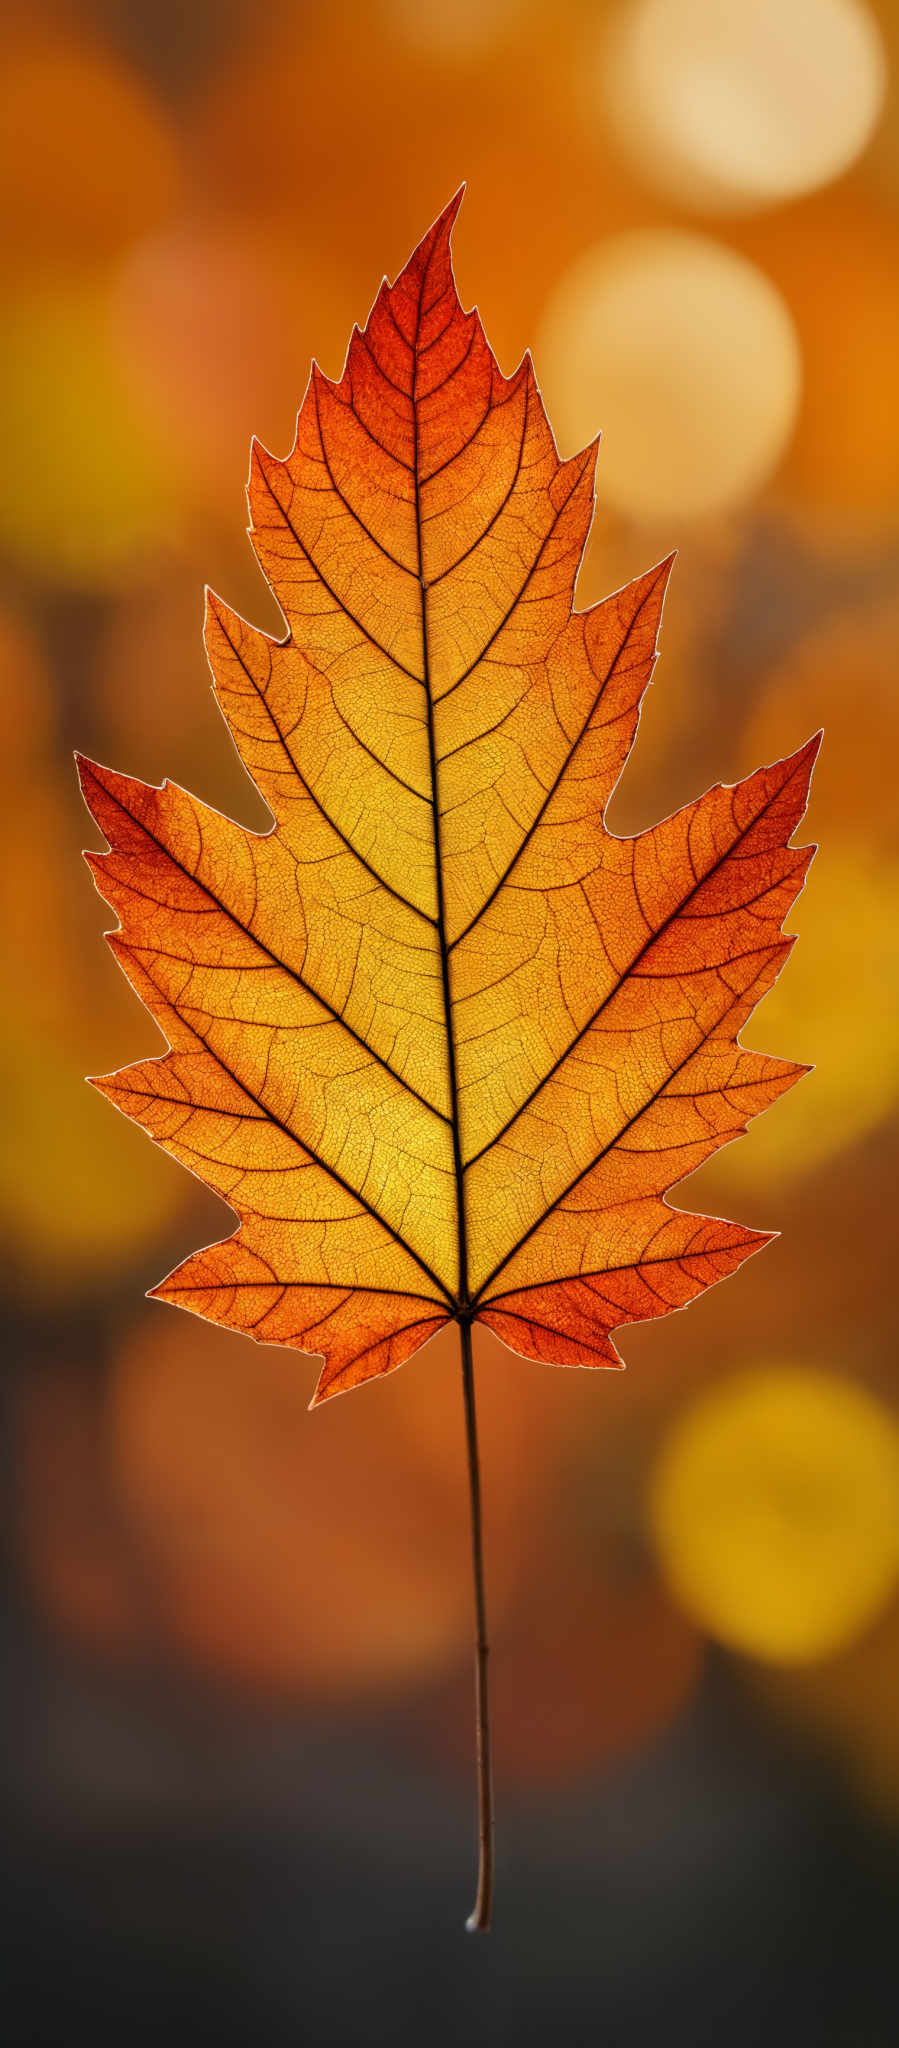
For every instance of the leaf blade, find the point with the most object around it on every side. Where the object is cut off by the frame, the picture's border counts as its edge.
(442, 1040)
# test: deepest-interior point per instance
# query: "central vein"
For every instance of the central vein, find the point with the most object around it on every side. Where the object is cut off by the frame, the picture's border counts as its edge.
(461, 1230)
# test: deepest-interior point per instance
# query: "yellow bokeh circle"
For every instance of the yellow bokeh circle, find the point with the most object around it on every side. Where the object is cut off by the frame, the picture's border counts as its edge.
(836, 1008)
(86, 489)
(727, 107)
(774, 1508)
(686, 356)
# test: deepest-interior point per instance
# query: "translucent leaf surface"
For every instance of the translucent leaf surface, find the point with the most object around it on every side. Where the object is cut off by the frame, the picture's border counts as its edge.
(442, 1041)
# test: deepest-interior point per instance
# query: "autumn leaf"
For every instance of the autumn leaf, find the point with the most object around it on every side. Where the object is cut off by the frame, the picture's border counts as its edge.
(441, 1039)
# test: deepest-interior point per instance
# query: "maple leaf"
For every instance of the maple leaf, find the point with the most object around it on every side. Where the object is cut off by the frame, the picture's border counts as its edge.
(441, 1039)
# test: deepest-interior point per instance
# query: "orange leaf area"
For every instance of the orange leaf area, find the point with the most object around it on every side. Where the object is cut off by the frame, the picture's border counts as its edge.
(441, 1040)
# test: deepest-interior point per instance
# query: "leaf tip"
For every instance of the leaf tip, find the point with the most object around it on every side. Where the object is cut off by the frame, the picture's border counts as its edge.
(452, 206)
(756, 1240)
(435, 244)
(325, 1389)
(656, 580)
(85, 770)
(809, 753)
(802, 762)
(260, 454)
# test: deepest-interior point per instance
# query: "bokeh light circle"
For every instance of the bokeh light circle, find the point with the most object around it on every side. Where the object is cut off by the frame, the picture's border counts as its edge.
(214, 322)
(836, 1007)
(315, 1555)
(459, 32)
(686, 356)
(87, 495)
(86, 148)
(727, 106)
(774, 1507)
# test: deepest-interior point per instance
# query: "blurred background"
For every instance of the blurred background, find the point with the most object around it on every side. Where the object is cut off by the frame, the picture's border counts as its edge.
(237, 1697)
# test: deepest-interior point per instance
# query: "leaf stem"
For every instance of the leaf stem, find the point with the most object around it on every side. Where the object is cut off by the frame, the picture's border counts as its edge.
(478, 1920)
